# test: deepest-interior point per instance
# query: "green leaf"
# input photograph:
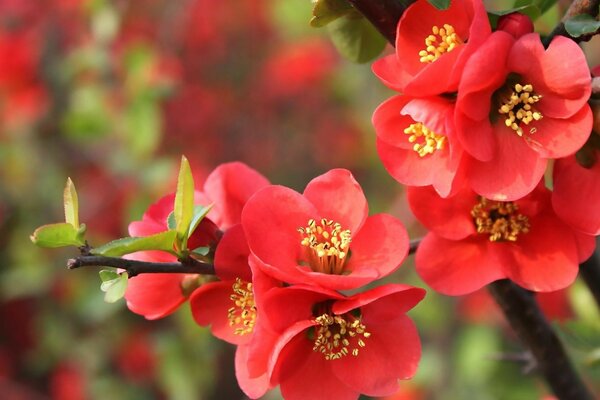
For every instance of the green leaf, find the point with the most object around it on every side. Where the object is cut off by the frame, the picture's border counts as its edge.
(356, 39)
(108, 274)
(440, 4)
(184, 201)
(171, 223)
(326, 11)
(58, 235)
(71, 204)
(199, 214)
(581, 25)
(114, 289)
(117, 248)
(201, 251)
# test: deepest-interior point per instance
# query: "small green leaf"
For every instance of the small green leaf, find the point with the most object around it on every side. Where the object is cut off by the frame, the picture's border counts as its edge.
(108, 274)
(117, 248)
(440, 4)
(356, 39)
(199, 214)
(326, 11)
(57, 235)
(201, 251)
(184, 201)
(171, 223)
(581, 25)
(114, 289)
(71, 204)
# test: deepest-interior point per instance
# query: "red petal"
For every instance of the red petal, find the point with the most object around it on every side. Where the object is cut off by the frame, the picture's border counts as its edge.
(514, 172)
(388, 70)
(210, 304)
(382, 303)
(556, 138)
(339, 197)
(457, 267)
(229, 187)
(545, 259)
(389, 123)
(253, 387)
(392, 352)
(154, 295)
(231, 256)
(449, 218)
(576, 195)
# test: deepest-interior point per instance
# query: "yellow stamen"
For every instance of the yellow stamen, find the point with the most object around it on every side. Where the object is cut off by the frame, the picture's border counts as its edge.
(337, 336)
(242, 316)
(429, 141)
(443, 40)
(500, 220)
(327, 245)
(518, 108)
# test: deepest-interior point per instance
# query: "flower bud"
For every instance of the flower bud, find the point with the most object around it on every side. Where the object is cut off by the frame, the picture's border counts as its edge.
(516, 24)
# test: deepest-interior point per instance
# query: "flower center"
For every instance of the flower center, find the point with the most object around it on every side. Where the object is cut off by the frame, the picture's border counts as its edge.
(443, 40)
(326, 245)
(242, 316)
(500, 220)
(425, 141)
(337, 336)
(519, 109)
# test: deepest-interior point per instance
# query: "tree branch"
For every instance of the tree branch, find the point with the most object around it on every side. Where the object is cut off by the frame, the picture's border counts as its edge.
(414, 244)
(383, 14)
(532, 328)
(578, 7)
(589, 271)
(135, 267)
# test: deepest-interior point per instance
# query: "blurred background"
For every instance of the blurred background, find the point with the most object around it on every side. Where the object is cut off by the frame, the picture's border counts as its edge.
(111, 93)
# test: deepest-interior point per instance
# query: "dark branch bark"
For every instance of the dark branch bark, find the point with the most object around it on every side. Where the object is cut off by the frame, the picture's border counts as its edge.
(532, 328)
(383, 14)
(590, 273)
(578, 7)
(414, 244)
(135, 267)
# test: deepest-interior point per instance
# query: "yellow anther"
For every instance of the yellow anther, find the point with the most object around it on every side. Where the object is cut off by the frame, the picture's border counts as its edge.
(337, 336)
(442, 41)
(500, 220)
(327, 245)
(242, 316)
(518, 108)
(428, 141)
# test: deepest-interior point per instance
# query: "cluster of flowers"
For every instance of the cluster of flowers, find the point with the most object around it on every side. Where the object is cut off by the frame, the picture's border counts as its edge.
(479, 117)
(283, 261)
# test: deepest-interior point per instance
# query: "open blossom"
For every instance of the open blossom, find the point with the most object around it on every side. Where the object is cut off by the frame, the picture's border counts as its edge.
(323, 345)
(323, 236)
(474, 241)
(416, 142)
(228, 188)
(518, 105)
(432, 47)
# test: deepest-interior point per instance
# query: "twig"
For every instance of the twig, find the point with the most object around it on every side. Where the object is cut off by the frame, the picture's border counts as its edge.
(414, 244)
(578, 7)
(135, 267)
(525, 358)
(589, 271)
(532, 328)
(383, 14)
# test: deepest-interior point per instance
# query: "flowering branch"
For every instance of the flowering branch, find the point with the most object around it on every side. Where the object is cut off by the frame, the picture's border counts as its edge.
(532, 328)
(135, 267)
(383, 14)
(578, 7)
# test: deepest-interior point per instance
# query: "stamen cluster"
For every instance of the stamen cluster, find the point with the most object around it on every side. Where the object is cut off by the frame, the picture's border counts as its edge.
(242, 315)
(339, 335)
(327, 245)
(443, 40)
(499, 219)
(429, 140)
(518, 108)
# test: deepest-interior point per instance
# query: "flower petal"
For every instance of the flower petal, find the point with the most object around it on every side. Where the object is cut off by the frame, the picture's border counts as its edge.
(253, 387)
(154, 295)
(382, 303)
(231, 256)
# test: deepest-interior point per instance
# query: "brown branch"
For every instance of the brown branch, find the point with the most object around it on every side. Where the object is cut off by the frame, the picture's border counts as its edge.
(135, 267)
(414, 244)
(578, 7)
(532, 328)
(383, 14)
(589, 271)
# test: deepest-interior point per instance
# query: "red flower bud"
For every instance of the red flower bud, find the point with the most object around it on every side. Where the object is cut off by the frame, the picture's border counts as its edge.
(516, 24)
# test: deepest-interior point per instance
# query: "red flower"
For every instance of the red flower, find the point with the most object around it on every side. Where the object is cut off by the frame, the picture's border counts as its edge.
(328, 346)
(475, 241)
(432, 47)
(323, 236)
(517, 106)
(228, 187)
(576, 194)
(415, 141)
